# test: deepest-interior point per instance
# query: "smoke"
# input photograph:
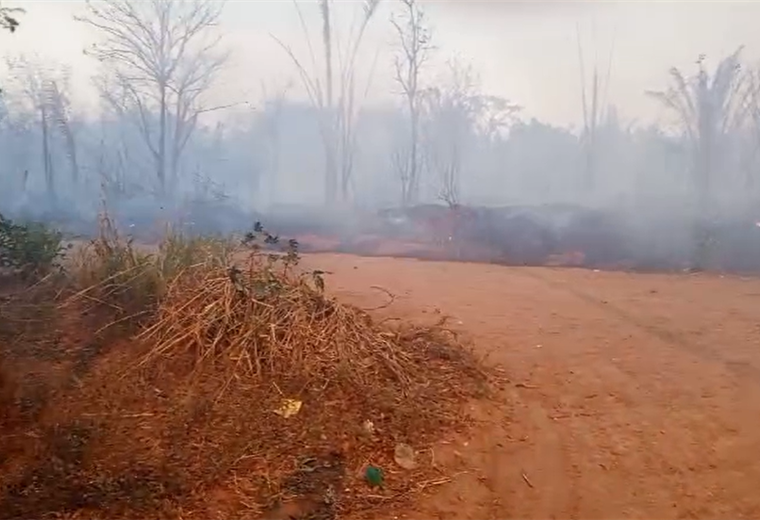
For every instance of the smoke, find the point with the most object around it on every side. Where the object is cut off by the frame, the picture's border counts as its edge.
(475, 147)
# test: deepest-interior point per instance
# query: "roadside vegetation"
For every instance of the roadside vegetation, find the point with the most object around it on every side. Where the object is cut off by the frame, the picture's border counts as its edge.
(146, 380)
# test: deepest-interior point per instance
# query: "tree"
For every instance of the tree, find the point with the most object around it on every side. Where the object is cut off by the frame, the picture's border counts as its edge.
(450, 113)
(45, 89)
(593, 112)
(56, 93)
(160, 56)
(750, 113)
(337, 116)
(454, 116)
(708, 107)
(414, 39)
(8, 18)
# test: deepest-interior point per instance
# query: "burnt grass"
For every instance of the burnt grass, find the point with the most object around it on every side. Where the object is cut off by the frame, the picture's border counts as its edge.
(50, 468)
(61, 482)
(45, 465)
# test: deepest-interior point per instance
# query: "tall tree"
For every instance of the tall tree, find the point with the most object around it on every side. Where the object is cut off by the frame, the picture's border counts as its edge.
(337, 114)
(414, 38)
(708, 106)
(454, 115)
(162, 56)
(593, 105)
(56, 93)
(44, 88)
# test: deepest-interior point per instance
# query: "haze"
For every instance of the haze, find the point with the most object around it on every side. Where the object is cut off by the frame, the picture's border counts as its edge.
(502, 120)
(525, 51)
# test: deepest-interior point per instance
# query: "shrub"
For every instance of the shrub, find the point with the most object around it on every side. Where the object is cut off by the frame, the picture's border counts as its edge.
(30, 248)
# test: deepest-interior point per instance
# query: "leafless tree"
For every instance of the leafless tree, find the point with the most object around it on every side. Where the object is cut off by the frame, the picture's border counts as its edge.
(414, 37)
(161, 56)
(593, 110)
(708, 107)
(56, 93)
(337, 114)
(453, 116)
(400, 166)
(449, 119)
(45, 90)
(30, 75)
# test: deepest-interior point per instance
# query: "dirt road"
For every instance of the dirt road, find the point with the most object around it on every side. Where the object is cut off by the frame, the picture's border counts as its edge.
(633, 396)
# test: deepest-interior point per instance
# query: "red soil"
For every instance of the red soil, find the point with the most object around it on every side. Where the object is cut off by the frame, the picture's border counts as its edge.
(630, 396)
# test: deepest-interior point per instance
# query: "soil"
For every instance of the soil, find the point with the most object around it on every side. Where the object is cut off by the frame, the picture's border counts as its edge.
(622, 396)
(628, 395)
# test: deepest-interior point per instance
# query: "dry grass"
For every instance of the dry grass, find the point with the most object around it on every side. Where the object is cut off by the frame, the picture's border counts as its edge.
(114, 277)
(266, 322)
(178, 420)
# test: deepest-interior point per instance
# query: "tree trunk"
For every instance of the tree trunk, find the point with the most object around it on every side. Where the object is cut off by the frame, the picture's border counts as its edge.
(703, 172)
(413, 195)
(331, 171)
(46, 159)
(331, 166)
(161, 156)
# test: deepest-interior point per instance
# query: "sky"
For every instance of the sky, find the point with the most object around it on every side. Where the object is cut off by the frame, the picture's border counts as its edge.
(525, 51)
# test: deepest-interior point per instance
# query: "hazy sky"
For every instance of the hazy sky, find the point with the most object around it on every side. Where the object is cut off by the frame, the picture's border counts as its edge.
(525, 51)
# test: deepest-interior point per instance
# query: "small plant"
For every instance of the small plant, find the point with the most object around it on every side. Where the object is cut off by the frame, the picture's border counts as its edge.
(32, 249)
(259, 239)
(287, 257)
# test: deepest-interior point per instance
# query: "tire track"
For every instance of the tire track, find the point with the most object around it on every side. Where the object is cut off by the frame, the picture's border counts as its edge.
(741, 370)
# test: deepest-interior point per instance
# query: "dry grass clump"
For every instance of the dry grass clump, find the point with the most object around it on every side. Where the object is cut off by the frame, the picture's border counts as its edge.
(117, 278)
(265, 320)
(261, 317)
(250, 334)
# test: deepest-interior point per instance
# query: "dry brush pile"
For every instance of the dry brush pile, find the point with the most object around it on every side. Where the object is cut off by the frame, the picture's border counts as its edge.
(217, 379)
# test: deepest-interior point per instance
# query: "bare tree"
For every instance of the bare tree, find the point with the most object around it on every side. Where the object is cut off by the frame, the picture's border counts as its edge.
(707, 107)
(414, 39)
(400, 166)
(449, 114)
(161, 56)
(45, 89)
(56, 92)
(329, 128)
(455, 115)
(593, 111)
(337, 115)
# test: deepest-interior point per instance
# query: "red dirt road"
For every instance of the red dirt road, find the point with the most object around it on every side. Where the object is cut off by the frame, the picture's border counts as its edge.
(631, 396)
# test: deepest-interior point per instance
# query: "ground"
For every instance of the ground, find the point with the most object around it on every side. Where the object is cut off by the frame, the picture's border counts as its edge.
(629, 395)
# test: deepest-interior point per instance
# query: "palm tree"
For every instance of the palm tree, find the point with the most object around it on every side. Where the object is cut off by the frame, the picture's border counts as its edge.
(708, 107)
